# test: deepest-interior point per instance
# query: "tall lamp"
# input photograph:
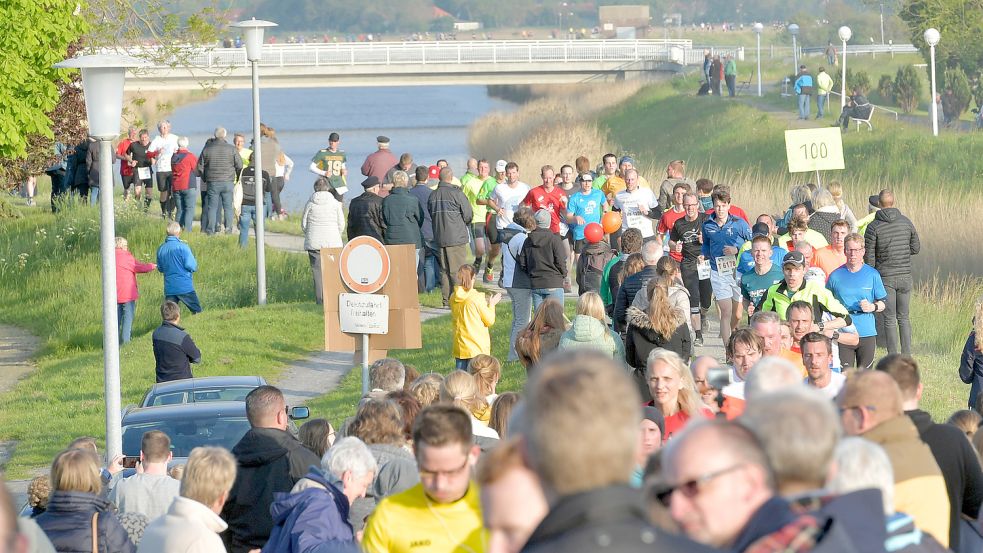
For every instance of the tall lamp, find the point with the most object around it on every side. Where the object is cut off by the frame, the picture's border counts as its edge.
(932, 37)
(758, 29)
(793, 30)
(102, 83)
(844, 33)
(253, 29)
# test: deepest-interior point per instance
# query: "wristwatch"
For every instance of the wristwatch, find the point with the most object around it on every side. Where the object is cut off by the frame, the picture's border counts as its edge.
(822, 326)
(836, 335)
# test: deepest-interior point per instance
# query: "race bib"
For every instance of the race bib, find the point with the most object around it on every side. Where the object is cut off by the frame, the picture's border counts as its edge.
(143, 173)
(726, 265)
(703, 269)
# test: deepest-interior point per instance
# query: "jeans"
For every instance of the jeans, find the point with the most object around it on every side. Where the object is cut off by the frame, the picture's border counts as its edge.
(731, 81)
(204, 211)
(805, 101)
(93, 195)
(428, 269)
(461, 364)
(821, 103)
(267, 205)
(125, 313)
(896, 313)
(190, 299)
(219, 198)
(539, 295)
(315, 258)
(246, 216)
(185, 201)
(57, 188)
(521, 308)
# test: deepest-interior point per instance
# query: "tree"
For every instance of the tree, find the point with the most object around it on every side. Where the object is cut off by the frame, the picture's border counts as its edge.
(955, 79)
(907, 88)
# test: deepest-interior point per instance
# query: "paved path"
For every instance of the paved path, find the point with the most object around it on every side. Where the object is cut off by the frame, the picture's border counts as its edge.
(17, 347)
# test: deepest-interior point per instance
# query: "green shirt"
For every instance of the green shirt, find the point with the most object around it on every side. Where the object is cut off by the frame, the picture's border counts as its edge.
(331, 163)
(730, 68)
(487, 188)
(472, 186)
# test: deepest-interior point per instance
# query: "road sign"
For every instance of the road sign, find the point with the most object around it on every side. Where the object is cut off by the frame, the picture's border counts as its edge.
(364, 265)
(818, 149)
(364, 313)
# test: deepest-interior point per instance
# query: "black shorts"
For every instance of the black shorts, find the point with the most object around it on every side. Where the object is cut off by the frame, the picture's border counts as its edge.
(163, 181)
(700, 291)
(477, 230)
(491, 229)
(129, 180)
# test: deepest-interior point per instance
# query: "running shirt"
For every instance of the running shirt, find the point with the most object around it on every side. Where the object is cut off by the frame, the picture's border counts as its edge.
(734, 210)
(688, 233)
(745, 262)
(509, 199)
(555, 201)
(630, 204)
(138, 152)
(755, 286)
(124, 168)
(163, 148)
(734, 232)
(471, 186)
(410, 522)
(614, 184)
(669, 218)
(836, 382)
(589, 206)
(850, 288)
(331, 163)
(828, 259)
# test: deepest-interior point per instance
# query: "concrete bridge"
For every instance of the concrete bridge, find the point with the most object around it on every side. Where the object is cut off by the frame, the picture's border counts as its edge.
(425, 63)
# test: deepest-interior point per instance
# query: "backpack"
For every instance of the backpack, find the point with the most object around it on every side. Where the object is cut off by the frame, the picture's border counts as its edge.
(590, 267)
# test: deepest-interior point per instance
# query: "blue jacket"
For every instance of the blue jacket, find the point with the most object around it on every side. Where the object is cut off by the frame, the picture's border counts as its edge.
(803, 80)
(971, 369)
(310, 520)
(175, 260)
(735, 232)
(68, 524)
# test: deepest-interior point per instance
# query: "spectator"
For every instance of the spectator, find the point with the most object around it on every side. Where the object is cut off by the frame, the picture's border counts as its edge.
(471, 317)
(890, 241)
(651, 252)
(38, 494)
(317, 435)
(966, 420)
(427, 270)
(803, 89)
(501, 412)
(486, 371)
(826, 213)
(403, 215)
(657, 327)
(386, 375)
(76, 509)
(631, 243)
(150, 491)
(192, 522)
(365, 212)
(250, 189)
(219, 166)
(836, 189)
(270, 460)
(542, 335)
(323, 223)
(871, 406)
(127, 268)
(460, 390)
(669, 277)
(174, 350)
(673, 392)
(451, 214)
(590, 330)
(512, 500)
(444, 508)
(378, 163)
(409, 409)
(971, 360)
(700, 371)
(543, 258)
(588, 477)
(314, 515)
(426, 389)
(177, 263)
(513, 278)
(184, 182)
(650, 432)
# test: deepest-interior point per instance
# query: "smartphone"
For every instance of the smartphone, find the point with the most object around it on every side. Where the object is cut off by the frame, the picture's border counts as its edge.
(130, 462)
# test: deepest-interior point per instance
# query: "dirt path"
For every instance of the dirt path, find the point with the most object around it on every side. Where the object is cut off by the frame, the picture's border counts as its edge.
(17, 347)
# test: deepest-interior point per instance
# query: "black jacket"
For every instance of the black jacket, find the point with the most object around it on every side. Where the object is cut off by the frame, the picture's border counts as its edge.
(641, 338)
(220, 162)
(822, 222)
(68, 524)
(959, 465)
(269, 461)
(613, 516)
(174, 351)
(365, 217)
(626, 294)
(248, 179)
(403, 215)
(891, 240)
(451, 214)
(544, 259)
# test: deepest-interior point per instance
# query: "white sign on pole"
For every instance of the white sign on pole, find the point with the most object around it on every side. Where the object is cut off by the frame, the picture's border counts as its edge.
(819, 149)
(364, 313)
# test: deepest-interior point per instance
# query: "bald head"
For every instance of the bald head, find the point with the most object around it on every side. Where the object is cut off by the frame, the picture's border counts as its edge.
(868, 399)
(885, 198)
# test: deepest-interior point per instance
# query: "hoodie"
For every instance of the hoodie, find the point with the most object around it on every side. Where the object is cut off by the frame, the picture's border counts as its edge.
(269, 460)
(544, 259)
(311, 515)
(891, 240)
(471, 317)
(588, 332)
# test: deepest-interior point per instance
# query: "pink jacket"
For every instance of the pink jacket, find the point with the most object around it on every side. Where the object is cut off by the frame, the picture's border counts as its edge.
(126, 275)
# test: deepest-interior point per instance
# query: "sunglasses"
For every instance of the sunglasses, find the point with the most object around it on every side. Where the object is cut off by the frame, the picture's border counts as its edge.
(690, 488)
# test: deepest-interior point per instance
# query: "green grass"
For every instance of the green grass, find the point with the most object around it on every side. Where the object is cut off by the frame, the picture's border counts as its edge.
(291, 225)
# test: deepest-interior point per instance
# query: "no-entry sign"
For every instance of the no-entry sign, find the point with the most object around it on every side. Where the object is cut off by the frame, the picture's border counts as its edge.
(364, 265)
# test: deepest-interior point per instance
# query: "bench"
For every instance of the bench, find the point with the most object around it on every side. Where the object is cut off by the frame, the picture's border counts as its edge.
(865, 121)
(744, 85)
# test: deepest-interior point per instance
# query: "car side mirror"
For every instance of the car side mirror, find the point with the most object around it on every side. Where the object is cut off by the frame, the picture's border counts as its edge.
(300, 413)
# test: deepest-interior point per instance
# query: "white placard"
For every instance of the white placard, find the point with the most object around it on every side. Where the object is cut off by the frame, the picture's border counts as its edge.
(817, 149)
(364, 313)
(703, 269)
(143, 173)
(726, 265)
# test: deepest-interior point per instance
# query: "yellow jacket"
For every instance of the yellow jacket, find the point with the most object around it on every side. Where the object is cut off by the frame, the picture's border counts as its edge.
(471, 317)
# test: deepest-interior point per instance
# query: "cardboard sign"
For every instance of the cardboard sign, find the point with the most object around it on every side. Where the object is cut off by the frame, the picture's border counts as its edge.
(364, 313)
(364, 265)
(814, 149)
(726, 265)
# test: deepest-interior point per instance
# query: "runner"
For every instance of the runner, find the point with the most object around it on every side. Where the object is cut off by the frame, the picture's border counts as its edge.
(723, 234)
(609, 166)
(471, 184)
(552, 198)
(161, 149)
(686, 240)
(859, 288)
(491, 225)
(639, 206)
(672, 214)
(584, 208)
(126, 171)
(136, 155)
(504, 200)
(764, 274)
(330, 162)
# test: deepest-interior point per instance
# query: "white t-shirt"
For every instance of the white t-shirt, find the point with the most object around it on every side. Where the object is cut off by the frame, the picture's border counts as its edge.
(836, 381)
(167, 147)
(631, 215)
(509, 199)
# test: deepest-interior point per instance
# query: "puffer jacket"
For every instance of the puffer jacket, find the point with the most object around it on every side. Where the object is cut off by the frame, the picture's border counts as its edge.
(314, 513)
(404, 218)
(219, 162)
(891, 240)
(397, 473)
(68, 524)
(641, 339)
(323, 222)
(588, 332)
(626, 294)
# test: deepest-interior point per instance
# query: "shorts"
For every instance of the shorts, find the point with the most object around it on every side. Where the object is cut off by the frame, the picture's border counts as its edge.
(699, 290)
(129, 180)
(725, 287)
(477, 230)
(491, 229)
(163, 181)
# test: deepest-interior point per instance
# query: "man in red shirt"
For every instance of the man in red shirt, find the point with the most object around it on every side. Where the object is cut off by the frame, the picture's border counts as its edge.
(125, 170)
(832, 256)
(184, 184)
(673, 214)
(549, 197)
(734, 210)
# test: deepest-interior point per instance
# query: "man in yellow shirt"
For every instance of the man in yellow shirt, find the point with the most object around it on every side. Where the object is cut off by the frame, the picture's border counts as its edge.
(442, 513)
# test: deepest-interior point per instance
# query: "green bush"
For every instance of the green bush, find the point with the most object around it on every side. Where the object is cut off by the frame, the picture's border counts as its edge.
(908, 88)
(955, 78)
(860, 80)
(885, 88)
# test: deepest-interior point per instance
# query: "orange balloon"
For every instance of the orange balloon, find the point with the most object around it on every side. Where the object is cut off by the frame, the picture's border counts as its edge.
(611, 221)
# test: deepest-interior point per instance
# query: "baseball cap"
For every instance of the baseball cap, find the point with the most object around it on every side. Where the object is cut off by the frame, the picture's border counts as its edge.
(433, 172)
(794, 258)
(543, 218)
(500, 165)
(333, 137)
(759, 229)
(382, 139)
(874, 201)
(586, 177)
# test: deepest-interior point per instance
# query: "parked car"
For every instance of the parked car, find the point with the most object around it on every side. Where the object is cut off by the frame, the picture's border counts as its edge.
(208, 388)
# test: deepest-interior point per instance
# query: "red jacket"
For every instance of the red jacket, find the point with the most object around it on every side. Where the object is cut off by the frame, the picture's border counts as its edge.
(183, 165)
(127, 268)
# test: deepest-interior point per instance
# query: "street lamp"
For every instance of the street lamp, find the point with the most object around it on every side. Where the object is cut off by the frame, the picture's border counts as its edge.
(793, 30)
(102, 84)
(758, 29)
(253, 29)
(932, 38)
(844, 33)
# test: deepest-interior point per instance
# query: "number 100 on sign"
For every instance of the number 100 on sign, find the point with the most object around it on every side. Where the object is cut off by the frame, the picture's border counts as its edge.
(814, 150)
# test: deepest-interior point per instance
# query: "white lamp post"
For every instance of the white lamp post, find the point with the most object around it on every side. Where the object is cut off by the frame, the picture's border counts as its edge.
(102, 83)
(932, 38)
(758, 28)
(253, 29)
(844, 33)
(793, 30)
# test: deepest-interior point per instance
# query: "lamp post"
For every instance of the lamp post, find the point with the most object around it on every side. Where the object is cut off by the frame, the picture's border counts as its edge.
(253, 29)
(932, 38)
(793, 30)
(102, 84)
(758, 28)
(844, 33)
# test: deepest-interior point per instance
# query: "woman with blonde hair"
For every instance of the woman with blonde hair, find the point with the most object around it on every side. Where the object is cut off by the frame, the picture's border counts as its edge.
(460, 390)
(971, 361)
(634, 264)
(542, 335)
(590, 330)
(471, 317)
(836, 190)
(657, 327)
(127, 268)
(486, 371)
(826, 213)
(673, 391)
(77, 517)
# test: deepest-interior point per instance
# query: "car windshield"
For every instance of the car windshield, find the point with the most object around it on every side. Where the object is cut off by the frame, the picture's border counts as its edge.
(187, 434)
(233, 393)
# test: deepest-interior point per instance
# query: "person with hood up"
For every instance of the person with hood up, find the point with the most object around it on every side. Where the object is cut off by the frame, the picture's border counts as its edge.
(590, 330)
(544, 259)
(323, 223)
(471, 317)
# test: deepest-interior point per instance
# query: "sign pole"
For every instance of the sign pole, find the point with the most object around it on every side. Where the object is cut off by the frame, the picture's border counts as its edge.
(819, 182)
(365, 364)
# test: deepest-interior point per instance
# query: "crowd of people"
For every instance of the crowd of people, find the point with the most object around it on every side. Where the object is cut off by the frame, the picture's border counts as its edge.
(626, 433)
